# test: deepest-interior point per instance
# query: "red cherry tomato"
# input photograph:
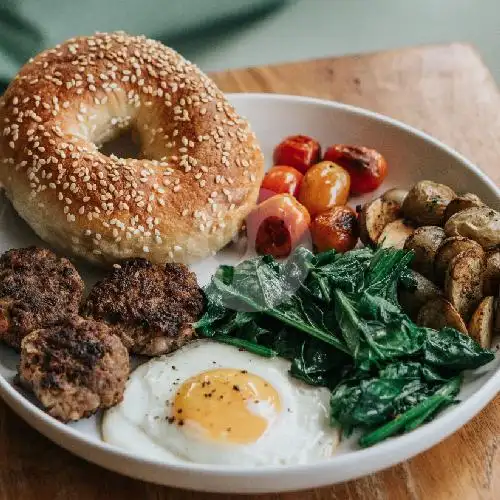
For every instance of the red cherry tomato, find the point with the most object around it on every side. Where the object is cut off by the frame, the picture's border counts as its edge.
(367, 167)
(337, 229)
(277, 225)
(280, 180)
(298, 151)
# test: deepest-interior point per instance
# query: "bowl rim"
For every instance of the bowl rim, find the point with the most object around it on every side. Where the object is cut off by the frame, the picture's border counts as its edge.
(383, 455)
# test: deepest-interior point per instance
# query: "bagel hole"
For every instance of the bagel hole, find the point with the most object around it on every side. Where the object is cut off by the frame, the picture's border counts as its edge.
(126, 144)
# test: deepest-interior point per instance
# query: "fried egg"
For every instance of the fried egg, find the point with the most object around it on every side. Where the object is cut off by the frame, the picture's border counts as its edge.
(211, 403)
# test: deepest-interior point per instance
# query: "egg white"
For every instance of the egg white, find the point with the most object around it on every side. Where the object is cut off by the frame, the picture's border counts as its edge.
(300, 433)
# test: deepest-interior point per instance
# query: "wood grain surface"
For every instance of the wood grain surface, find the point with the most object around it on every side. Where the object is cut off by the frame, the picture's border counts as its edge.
(444, 90)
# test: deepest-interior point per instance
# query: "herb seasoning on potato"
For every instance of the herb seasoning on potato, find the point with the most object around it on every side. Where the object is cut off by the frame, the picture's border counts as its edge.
(426, 203)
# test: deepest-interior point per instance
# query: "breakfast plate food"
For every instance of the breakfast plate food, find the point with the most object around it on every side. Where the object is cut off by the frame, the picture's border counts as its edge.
(335, 316)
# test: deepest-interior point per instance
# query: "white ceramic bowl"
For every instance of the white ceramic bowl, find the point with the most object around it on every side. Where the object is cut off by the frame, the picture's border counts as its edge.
(412, 156)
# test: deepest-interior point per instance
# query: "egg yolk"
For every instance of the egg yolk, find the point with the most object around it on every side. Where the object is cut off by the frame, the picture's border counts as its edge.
(227, 405)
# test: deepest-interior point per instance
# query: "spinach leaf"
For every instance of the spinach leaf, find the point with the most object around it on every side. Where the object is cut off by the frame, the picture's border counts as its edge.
(387, 267)
(411, 370)
(293, 313)
(316, 365)
(452, 350)
(362, 402)
(337, 319)
(369, 402)
(345, 271)
(245, 344)
(308, 318)
(375, 329)
(215, 309)
(417, 415)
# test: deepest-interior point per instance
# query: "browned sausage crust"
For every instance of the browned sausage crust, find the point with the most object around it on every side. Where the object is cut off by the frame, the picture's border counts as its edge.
(37, 290)
(151, 308)
(74, 368)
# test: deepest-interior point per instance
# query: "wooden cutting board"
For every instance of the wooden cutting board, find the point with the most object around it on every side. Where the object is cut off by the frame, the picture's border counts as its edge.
(444, 90)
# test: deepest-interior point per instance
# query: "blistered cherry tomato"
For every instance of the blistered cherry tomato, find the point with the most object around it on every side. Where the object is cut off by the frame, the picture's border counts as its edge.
(298, 151)
(277, 225)
(367, 167)
(336, 229)
(280, 180)
(324, 186)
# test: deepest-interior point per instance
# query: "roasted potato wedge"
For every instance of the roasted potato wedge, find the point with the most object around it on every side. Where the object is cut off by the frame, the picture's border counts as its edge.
(467, 200)
(481, 323)
(413, 300)
(473, 197)
(373, 218)
(395, 234)
(448, 249)
(439, 313)
(463, 284)
(424, 242)
(481, 224)
(496, 320)
(426, 203)
(491, 277)
(395, 194)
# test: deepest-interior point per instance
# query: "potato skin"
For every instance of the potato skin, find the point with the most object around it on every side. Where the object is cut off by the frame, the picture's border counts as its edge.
(481, 323)
(424, 242)
(395, 234)
(463, 285)
(439, 313)
(396, 195)
(448, 249)
(491, 277)
(426, 203)
(373, 218)
(472, 197)
(481, 224)
(467, 200)
(496, 321)
(336, 229)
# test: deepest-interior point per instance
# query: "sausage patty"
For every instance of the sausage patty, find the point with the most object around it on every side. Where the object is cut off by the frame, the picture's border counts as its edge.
(74, 368)
(37, 290)
(151, 308)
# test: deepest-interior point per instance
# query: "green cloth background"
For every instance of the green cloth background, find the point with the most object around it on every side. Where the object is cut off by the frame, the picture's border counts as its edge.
(28, 26)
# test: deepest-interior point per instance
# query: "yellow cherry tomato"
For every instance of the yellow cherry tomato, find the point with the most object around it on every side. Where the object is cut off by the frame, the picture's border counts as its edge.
(324, 186)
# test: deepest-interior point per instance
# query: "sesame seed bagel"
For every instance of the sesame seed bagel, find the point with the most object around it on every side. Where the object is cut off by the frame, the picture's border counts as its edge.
(200, 165)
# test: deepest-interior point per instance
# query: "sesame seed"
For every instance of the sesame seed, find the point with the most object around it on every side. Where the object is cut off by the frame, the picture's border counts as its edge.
(74, 168)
